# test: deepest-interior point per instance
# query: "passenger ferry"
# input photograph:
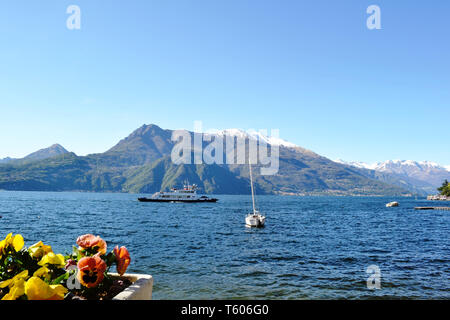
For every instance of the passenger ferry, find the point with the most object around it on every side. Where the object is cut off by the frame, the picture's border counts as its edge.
(187, 194)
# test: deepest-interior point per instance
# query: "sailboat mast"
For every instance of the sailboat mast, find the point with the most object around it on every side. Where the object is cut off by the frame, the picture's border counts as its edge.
(251, 184)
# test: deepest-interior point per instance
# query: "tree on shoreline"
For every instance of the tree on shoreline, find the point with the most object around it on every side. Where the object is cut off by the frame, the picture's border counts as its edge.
(445, 189)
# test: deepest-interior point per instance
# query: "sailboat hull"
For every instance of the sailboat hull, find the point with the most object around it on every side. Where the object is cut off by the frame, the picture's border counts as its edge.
(255, 221)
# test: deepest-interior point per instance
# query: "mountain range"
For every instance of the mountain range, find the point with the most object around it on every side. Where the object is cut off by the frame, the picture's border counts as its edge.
(141, 163)
(52, 151)
(420, 177)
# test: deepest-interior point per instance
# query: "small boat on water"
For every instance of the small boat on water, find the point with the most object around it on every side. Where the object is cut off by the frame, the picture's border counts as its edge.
(187, 194)
(392, 204)
(254, 219)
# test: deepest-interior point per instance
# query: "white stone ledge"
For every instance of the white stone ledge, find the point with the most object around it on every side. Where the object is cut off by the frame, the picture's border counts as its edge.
(140, 289)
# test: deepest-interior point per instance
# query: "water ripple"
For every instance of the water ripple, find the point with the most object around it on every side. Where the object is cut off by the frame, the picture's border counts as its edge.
(312, 247)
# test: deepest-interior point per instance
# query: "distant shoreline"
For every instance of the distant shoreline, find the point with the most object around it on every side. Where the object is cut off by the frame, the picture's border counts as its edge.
(226, 194)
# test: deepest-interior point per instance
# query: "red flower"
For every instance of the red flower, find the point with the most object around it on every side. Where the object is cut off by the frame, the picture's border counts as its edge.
(91, 271)
(69, 263)
(123, 259)
(89, 241)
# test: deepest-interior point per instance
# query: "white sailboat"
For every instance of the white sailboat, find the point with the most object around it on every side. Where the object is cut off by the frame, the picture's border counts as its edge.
(254, 219)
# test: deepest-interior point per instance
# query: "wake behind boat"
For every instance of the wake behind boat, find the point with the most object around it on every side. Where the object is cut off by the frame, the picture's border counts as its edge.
(187, 194)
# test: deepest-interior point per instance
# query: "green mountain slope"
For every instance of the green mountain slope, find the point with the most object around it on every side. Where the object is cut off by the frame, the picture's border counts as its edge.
(60, 173)
(50, 152)
(163, 175)
(302, 171)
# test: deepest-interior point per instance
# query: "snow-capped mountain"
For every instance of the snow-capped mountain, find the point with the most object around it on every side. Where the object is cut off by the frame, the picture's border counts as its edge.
(399, 166)
(424, 175)
(253, 135)
(358, 164)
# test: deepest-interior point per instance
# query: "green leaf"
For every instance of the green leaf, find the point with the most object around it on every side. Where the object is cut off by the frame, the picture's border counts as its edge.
(58, 280)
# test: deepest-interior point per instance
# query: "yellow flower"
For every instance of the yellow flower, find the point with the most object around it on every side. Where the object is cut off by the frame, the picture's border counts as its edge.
(38, 250)
(2, 247)
(36, 289)
(16, 291)
(43, 273)
(15, 241)
(16, 286)
(10, 282)
(54, 259)
(4, 244)
(8, 239)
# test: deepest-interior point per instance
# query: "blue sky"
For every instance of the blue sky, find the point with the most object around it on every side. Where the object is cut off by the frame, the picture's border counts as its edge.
(309, 68)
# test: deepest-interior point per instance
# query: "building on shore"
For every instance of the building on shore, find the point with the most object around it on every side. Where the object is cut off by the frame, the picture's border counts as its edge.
(438, 197)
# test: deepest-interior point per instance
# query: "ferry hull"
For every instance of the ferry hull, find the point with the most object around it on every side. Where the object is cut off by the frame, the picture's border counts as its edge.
(181, 200)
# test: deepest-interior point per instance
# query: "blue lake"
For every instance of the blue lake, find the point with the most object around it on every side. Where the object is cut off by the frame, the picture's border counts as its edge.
(311, 248)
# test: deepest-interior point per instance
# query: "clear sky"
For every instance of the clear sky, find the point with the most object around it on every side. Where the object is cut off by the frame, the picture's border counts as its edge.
(311, 69)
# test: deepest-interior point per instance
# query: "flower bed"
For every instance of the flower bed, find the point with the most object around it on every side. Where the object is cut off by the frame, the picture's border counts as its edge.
(37, 273)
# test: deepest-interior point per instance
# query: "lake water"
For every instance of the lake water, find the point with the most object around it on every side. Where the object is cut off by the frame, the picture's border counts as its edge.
(311, 248)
